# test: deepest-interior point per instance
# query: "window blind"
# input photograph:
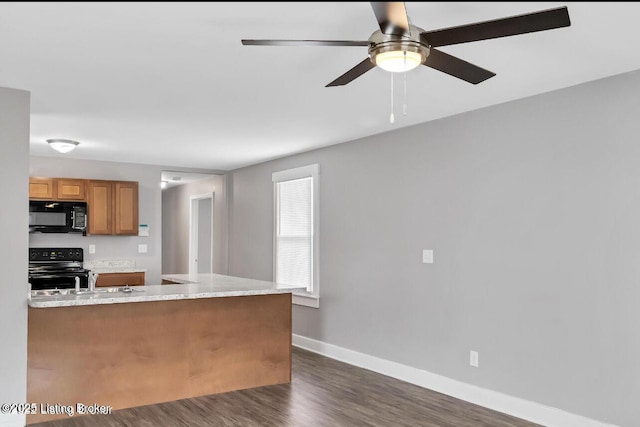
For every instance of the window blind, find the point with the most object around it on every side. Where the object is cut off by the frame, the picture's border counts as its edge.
(294, 233)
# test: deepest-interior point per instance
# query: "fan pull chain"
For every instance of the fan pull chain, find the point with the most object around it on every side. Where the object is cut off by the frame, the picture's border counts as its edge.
(392, 118)
(404, 97)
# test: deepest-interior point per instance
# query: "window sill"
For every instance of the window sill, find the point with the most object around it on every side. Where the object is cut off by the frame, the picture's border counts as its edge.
(306, 300)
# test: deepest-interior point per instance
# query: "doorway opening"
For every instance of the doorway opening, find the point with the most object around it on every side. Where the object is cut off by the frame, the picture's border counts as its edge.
(179, 248)
(201, 234)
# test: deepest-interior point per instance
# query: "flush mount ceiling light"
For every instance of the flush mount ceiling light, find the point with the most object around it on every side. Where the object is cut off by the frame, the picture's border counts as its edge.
(62, 145)
(163, 184)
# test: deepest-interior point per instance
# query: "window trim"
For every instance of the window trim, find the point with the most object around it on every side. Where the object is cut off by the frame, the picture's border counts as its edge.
(308, 299)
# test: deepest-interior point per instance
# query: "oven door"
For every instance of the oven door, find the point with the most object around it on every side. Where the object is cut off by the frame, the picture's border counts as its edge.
(58, 280)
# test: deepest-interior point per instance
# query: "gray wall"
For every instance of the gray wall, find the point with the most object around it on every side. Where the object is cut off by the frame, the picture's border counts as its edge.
(14, 288)
(175, 224)
(533, 210)
(112, 247)
(205, 237)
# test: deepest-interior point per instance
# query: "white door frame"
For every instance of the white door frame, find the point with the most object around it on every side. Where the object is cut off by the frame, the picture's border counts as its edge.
(193, 230)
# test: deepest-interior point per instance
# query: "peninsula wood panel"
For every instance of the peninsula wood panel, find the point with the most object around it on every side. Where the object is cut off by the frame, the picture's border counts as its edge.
(100, 207)
(120, 279)
(134, 354)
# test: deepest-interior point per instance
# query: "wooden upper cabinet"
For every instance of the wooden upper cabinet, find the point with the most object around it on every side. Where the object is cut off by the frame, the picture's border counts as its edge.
(113, 207)
(69, 189)
(41, 188)
(56, 189)
(100, 203)
(126, 208)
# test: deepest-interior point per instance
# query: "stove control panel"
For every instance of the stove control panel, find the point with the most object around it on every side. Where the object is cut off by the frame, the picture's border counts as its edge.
(56, 254)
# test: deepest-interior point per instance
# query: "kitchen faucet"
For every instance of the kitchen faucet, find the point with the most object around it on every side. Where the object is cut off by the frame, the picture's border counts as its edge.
(93, 278)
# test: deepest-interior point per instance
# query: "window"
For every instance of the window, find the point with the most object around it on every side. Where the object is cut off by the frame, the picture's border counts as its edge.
(295, 251)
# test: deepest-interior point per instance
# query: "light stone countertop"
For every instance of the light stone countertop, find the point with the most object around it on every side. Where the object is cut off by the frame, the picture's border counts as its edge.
(198, 278)
(109, 270)
(209, 286)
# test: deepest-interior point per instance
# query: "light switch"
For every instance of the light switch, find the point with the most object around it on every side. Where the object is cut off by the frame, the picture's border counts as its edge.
(142, 248)
(427, 256)
(92, 249)
(473, 358)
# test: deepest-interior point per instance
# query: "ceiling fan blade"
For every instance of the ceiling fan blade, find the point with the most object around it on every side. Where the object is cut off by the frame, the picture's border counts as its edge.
(392, 17)
(511, 26)
(306, 42)
(456, 67)
(353, 73)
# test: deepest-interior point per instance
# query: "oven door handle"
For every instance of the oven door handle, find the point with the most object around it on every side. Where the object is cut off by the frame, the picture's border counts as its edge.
(55, 276)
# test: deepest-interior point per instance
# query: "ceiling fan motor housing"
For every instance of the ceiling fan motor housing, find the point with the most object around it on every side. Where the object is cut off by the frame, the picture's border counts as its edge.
(410, 42)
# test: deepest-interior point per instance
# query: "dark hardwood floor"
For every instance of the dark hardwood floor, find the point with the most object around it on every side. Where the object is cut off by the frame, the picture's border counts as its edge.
(323, 392)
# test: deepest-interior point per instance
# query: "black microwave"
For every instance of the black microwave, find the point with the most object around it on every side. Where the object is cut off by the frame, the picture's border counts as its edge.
(57, 217)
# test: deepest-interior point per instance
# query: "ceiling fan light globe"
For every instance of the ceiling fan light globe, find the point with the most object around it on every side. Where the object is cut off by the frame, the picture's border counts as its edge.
(398, 61)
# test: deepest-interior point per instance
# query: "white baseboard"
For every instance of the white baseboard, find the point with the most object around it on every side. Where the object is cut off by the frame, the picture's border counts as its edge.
(515, 406)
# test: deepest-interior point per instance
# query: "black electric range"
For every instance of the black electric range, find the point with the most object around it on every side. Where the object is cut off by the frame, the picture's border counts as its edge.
(57, 268)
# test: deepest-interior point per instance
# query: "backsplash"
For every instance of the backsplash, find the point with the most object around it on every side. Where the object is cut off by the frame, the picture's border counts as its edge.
(95, 264)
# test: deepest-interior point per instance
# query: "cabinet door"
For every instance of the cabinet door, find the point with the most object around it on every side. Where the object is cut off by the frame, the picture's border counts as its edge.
(126, 208)
(100, 207)
(41, 188)
(120, 279)
(70, 189)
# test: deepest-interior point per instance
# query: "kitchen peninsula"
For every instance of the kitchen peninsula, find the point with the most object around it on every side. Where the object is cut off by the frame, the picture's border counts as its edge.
(159, 343)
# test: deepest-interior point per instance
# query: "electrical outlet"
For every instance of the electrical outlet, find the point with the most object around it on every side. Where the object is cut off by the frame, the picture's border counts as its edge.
(473, 358)
(142, 248)
(427, 256)
(92, 249)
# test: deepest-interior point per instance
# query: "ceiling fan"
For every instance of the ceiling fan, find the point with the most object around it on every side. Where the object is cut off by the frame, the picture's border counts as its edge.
(399, 46)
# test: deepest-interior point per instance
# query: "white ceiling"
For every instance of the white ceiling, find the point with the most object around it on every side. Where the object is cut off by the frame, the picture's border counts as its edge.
(171, 84)
(176, 178)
